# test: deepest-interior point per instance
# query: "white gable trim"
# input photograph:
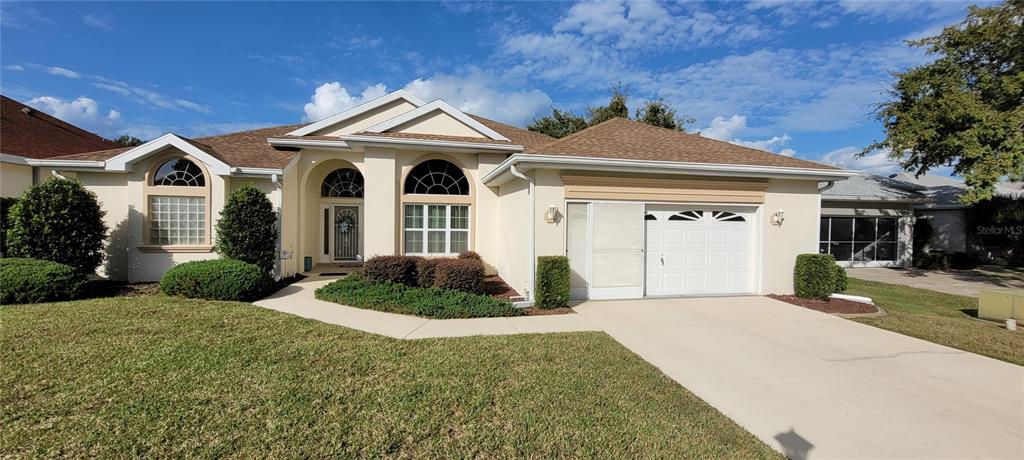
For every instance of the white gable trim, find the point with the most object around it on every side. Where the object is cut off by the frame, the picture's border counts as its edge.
(359, 109)
(124, 161)
(436, 105)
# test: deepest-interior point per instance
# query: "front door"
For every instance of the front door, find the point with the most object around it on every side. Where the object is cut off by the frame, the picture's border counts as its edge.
(346, 233)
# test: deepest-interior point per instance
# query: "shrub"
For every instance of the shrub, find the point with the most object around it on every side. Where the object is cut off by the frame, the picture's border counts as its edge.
(34, 280)
(552, 281)
(61, 221)
(247, 229)
(963, 261)
(813, 276)
(217, 279)
(392, 269)
(6, 203)
(470, 255)
(430, 302)
(840, 278)
(466, 275)
(933, 260)
(923, 232)
(425, 271)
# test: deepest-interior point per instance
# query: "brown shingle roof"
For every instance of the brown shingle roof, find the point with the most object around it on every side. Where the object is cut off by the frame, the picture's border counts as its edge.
(30, 133)
(527, 139)
(627, 139)
(246, 148)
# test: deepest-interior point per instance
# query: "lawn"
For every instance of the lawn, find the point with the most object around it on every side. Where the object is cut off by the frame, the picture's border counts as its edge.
(945, 319)
(163, 377)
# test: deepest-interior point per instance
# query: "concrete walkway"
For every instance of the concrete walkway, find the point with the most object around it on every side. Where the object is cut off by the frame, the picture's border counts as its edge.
(960, 282)
(814, 385)
(298, 299)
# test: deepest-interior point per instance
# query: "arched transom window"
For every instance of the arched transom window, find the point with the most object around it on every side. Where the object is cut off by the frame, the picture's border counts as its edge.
(438, 224)
(177, 204)
(436, 177)
(342, 183)
(179, 172)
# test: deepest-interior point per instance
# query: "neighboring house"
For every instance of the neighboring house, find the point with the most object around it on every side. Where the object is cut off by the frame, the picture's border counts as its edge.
(868, 221)
(639, 210)
(28, 133)
(944, 210)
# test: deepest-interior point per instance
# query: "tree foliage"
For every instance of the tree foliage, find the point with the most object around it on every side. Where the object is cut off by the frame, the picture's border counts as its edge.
(60, 221)
(655, 112)
(247, 229)
(128, 141)
(966, 108)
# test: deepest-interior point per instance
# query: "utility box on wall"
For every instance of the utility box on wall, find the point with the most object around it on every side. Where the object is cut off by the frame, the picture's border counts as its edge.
(1001, 305)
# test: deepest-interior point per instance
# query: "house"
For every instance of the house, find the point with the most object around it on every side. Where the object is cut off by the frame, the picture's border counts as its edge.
(28, 133)
(638, 210)
(868, 221)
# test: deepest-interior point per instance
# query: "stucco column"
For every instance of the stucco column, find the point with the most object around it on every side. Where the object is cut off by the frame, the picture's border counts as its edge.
(380, 203)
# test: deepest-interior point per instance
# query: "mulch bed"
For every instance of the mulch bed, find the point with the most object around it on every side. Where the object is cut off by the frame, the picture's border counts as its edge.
(496, 287)
(834, 306)
(534, 311)
(106, 288)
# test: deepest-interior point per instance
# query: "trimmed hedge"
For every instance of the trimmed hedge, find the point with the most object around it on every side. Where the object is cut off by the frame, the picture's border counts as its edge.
(217, 279)
(938, 260)
(392, 269)
(465, 275)
(814, 276)
(552, 281)
(6, 203)
(58, 220)
(470, 255)
(841, 280)
(33, 280)
(425, 271)
(430, 302)
(247, 228)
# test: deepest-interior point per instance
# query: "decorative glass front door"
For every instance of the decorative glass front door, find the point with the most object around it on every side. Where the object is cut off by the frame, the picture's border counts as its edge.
(346, 233)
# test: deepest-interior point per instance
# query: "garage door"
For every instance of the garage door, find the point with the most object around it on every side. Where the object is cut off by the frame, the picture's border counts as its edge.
(698, 251)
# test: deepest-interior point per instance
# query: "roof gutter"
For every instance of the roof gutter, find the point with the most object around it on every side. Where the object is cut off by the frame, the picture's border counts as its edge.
(529, 161)
(874, 199)
(307, 143)
(65, 163)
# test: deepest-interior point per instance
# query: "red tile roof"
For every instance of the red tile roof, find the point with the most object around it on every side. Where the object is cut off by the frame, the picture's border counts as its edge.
(30, 133)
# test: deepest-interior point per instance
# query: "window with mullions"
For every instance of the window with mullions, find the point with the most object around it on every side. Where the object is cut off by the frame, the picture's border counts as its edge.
(436, 229)
(436, 177)
(858, 239)
(176, 204)
(342, 183)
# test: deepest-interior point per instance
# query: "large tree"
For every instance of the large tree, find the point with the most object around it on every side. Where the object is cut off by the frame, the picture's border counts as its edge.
(655, 112)
(966, 108)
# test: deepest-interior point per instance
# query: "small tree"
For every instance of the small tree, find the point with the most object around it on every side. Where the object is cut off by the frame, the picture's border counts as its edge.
(58, 220)
(247, 229)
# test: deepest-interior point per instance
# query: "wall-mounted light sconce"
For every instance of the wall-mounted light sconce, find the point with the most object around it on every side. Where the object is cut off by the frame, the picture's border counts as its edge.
(777, 217)
(551, 214)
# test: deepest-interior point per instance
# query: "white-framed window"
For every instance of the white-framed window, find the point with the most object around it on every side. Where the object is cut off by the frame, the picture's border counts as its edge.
(436, 229)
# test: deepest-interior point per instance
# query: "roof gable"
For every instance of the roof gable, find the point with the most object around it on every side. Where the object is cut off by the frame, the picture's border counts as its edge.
(123, 161)
(437, 118)
(389, 105)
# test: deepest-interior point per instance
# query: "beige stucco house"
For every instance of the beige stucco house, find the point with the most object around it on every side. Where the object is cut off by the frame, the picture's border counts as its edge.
(638, 210)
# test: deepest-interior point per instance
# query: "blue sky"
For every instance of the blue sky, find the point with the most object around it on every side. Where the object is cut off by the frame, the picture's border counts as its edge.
(795, 78)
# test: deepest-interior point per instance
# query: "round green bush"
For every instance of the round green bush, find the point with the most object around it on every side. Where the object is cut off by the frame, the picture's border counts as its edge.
(814, 276)
(552, 281)
(58, 220)
(33, 280)
(218, 279)
(247, 228)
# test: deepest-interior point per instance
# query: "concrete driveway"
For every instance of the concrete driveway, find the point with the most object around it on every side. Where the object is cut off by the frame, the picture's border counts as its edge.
(817, 386)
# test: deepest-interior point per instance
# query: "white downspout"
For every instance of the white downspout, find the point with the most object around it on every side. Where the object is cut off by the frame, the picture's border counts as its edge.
(532, 233)
(279, 184)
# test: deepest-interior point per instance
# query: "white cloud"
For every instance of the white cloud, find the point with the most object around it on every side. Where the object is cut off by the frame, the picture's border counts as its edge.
(147, 97)
(877, 162)
(729, 130)
(15, 67)
(83, 112)
(63, 72)
(94, 21)
(478, 94)
(331, 98)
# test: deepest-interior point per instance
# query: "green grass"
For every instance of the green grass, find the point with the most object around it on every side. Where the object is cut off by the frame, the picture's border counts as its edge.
(166, 377)
(945, 319)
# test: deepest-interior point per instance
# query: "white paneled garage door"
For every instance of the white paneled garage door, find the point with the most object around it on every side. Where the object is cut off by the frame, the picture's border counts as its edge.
(698, 251)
